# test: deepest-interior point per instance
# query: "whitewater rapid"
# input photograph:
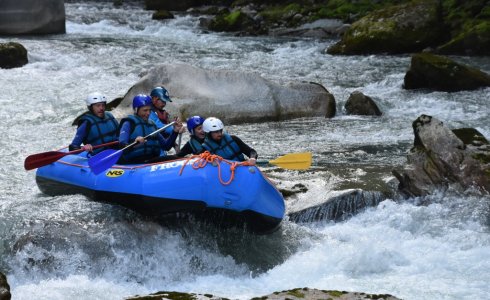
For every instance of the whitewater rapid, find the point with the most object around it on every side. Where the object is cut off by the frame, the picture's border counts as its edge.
(70, 247)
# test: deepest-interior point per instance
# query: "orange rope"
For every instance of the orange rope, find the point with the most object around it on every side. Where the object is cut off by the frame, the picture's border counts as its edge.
(206, 157)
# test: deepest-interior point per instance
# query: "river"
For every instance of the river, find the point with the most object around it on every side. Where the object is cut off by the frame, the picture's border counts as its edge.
(70, 247)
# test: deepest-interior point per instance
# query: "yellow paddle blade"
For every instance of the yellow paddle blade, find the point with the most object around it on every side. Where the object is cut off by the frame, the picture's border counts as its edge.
(293, 161)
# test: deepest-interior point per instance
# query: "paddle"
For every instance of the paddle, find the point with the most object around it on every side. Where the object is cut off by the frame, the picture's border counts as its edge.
(45, 158)
(292, 161)
(107, 158)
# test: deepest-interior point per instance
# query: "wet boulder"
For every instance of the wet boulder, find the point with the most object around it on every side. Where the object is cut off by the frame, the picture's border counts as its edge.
(12, 55)
(336, 206)
(441, 157)
(440, 73)
(233, 96)
(32, 17)
(402, 28)
(360, 104)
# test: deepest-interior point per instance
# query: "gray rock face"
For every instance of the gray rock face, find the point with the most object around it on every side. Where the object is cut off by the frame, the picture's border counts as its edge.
(234, 97)
(32, 17)
(440, 158)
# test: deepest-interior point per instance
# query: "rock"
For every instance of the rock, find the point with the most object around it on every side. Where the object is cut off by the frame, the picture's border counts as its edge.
(162, 15)
(442, 74)
(403, 28)
(473, 41)
(32, 17)
(234, 97)
(4, 288)
(233, 21)
(440, 158)
(323, 28)
(338, 205)
(360, 104)
(294, 294)
(12, 55)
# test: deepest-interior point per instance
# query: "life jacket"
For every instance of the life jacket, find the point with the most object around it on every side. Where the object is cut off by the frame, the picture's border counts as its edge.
(196, 145)
(162, 115)
(99, 130)
(151, 148)
(227, 148)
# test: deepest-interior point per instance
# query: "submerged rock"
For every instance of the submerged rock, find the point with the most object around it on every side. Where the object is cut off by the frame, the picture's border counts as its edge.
(440, 158)
(293, 294)
(232, 96)
(443, 74)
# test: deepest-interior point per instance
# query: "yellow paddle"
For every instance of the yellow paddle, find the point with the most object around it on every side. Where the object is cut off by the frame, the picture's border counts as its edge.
(292, 161)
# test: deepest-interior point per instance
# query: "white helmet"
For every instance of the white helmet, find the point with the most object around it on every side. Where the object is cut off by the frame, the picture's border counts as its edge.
(212, 124)
(95, 98)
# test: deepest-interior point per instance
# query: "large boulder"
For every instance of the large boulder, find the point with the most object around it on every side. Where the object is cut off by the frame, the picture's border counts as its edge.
(442, 74)
(441, 157)
(234, 97)
(12, 55)
(32, 17)
(398, 29)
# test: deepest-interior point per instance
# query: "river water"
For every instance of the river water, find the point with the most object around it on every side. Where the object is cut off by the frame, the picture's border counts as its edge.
(71, 247)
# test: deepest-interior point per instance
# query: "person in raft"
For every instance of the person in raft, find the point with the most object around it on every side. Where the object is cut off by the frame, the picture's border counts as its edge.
(95, 127)
(159, 98)
(194, 145)
(161, 117)
(229, 147)
(135, 127)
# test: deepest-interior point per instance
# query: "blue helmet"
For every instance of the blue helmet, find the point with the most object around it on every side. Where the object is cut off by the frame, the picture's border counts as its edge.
(141, 100)
(161, 93)
(193, 122)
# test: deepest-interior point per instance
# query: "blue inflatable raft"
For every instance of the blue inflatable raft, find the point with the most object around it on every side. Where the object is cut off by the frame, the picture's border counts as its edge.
(195, 185)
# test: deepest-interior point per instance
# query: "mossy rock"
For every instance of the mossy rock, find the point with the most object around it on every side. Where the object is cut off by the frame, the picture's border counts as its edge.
(231, 21)
(402, 28)
(440, 73)
(12, 55)
(472, 41)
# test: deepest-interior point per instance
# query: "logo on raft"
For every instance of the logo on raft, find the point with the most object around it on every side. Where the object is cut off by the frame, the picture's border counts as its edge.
(114, 173)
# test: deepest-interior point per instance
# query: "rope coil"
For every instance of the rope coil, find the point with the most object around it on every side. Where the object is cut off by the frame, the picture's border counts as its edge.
(206, 157)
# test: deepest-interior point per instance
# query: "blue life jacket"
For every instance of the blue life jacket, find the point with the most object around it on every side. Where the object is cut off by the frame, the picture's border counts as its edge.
(99, 130)
(227, 148)
(196, 145)
(144, 151)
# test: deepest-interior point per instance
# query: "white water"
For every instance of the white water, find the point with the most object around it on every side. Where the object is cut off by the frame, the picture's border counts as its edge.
(70, 247)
